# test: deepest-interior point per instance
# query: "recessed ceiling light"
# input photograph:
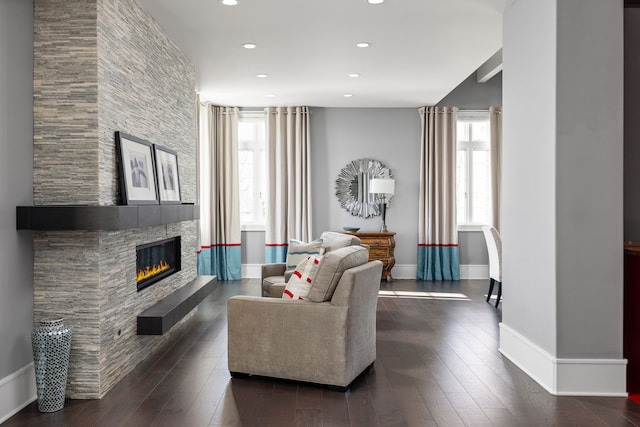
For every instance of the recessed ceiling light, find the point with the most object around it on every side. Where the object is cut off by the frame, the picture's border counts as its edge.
(348, 95)
(271, 95)
(362, 44)
(354, 75)
(249, 46)
(375, 1)
(229, 2)
(262, 76)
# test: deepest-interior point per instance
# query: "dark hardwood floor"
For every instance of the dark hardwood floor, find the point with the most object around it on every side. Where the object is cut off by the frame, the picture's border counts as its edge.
(437, 365)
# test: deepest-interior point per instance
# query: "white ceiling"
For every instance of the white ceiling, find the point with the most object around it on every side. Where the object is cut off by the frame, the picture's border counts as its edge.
(420, 49)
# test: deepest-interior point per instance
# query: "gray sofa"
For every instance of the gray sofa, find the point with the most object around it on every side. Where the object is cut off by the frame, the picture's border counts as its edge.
(329, 342)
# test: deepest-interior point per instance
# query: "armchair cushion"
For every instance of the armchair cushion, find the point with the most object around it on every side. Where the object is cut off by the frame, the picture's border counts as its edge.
(333, 264)
(273, 287)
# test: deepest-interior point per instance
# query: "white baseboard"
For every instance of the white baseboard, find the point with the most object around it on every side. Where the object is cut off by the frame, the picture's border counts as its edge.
(564, 377)
(400, 271)
(469, 271)
(251, 271)
(473, 271)
(404, 271)
(17, 391)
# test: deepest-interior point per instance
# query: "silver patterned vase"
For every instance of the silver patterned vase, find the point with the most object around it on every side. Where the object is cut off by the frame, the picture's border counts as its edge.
(51, 343)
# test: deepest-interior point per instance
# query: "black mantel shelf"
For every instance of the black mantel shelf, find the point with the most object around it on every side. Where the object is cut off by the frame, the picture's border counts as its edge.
(108, 218)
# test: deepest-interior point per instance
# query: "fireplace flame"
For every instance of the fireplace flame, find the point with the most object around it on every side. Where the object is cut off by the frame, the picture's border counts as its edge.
(152, 271)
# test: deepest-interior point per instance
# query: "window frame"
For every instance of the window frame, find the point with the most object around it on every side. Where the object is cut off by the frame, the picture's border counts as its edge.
(469, 146)
(255, 116)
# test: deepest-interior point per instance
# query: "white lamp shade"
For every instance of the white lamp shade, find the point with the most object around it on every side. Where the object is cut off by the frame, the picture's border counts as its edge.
(382, 186)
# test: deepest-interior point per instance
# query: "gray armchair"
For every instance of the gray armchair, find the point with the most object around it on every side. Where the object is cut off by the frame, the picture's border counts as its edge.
(329, 342)
(274, 276)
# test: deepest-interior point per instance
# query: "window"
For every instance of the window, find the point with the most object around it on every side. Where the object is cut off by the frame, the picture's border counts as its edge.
(252, 169)
(473, 185)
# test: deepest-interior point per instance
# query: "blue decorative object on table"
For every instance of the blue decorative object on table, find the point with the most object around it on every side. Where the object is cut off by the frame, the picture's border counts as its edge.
(351, 229)
(51, 342)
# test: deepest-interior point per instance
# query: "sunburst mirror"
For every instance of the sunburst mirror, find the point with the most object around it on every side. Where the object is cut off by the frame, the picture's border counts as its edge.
(352, 187)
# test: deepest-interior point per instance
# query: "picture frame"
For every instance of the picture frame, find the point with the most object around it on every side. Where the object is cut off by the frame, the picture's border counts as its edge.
(137, 170)
(167, 175)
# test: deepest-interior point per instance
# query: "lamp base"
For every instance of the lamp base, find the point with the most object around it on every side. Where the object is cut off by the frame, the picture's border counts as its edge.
(383, 211)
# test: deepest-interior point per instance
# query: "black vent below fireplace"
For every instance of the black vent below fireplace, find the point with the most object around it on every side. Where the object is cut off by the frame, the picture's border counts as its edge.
(157, 260)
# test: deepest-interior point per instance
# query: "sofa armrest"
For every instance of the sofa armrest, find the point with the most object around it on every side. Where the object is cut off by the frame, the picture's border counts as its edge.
(276, 269)
(273, 279)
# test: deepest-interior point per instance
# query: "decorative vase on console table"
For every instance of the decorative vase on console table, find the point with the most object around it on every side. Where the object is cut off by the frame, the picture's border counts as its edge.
(51, 343)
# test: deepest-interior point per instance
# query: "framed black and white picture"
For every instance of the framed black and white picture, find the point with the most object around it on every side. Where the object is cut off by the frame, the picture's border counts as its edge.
(167, 175)
(136, 167)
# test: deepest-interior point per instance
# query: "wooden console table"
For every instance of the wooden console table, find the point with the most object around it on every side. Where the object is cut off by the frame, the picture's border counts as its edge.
(381, 247)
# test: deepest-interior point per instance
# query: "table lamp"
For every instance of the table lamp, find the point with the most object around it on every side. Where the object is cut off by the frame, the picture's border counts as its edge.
(384, 188)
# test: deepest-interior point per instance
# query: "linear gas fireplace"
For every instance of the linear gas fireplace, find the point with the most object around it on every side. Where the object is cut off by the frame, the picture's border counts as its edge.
(157, 260)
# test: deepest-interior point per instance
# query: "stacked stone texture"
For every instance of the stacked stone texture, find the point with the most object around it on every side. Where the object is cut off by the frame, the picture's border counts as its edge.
(103, 66)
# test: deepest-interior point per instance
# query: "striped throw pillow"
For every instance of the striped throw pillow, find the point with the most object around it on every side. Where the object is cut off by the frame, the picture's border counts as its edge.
(298, 251)
(299, 285)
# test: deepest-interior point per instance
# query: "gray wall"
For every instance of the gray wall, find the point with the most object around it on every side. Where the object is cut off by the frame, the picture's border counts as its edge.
(16, 136)
(631, 124)
(252, 247)
(528, 185)
(589, 171)
(562, 178)
(471, 95)
(392, 136)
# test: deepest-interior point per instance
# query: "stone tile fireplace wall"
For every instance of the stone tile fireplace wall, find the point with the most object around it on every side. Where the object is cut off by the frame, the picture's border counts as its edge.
(103, 66)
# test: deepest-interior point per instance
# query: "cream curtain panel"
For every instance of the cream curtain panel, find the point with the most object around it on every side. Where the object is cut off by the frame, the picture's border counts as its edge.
(495, 124)
(438, 254)
(288, 213)
(218, 192)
